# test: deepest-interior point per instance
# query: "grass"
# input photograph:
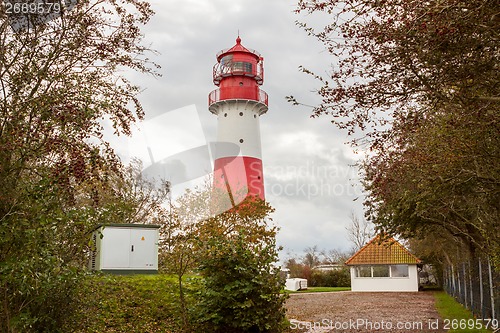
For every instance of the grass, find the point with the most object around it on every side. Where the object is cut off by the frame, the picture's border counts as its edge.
(136, 303)
(130, 303)
(320, 290)
(150, 303)
(453, 312)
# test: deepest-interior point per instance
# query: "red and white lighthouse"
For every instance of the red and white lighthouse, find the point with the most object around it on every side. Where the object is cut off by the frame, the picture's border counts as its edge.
(238, 104)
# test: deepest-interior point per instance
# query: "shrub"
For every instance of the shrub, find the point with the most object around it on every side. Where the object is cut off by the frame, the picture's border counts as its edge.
(334, 278)
(241, 284)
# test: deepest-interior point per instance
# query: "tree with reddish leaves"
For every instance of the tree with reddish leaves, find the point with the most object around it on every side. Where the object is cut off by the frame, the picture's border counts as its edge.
(442, 177)
(395, 57)
(59, 79)
(417, 85)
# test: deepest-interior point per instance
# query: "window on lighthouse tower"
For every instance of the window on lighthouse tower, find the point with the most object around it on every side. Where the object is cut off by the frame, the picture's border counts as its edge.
(226, 61)
(242, 66)
(228, 65)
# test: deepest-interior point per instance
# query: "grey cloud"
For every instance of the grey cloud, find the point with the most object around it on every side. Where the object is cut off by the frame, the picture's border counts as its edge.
(188, 34)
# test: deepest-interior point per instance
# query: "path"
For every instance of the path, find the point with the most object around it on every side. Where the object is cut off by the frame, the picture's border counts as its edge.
(363, 312)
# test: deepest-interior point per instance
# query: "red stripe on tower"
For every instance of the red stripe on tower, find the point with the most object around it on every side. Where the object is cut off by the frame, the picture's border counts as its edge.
(238, 104)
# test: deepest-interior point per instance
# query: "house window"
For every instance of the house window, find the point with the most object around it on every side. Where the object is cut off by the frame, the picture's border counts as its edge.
(399, 270)
(380, 271)
(363, 271)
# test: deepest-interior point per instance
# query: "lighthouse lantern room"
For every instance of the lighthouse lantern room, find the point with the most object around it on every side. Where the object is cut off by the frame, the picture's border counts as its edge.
(238, 103)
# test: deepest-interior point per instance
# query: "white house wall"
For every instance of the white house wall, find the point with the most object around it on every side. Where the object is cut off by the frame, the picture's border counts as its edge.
(409, 283)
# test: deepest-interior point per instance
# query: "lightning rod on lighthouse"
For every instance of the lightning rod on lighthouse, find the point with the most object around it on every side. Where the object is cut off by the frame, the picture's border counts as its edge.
(238, 103)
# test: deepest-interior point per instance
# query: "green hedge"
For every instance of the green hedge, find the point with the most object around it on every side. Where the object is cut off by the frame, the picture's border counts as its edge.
(334, 278)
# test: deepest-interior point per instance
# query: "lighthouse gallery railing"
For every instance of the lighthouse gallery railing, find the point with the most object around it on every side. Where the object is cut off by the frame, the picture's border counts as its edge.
(240, 93)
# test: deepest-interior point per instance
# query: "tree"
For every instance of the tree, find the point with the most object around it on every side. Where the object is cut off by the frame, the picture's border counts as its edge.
(234, 252)
(421, 80)
(336, 256)
(445, 179)
(301, 267)
(294, 266)
(396, 57)
(140, 199)
(241, 283)
(177, 255)
(359, 232)
(179, 234)
(439, 251)
(311, 256)
(58, 80)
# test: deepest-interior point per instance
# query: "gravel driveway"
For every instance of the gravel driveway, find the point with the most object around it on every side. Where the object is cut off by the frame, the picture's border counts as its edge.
(347, 311)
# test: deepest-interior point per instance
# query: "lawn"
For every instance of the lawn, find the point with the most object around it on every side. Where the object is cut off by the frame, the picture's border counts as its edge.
(136, 303)
(133, 303)
(150, 303)
(458, 318)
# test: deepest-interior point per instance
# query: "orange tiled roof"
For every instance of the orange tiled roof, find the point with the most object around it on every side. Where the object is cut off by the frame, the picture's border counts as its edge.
(387, 251)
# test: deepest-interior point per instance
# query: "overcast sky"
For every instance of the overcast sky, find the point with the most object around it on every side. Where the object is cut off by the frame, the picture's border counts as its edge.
(308, 173)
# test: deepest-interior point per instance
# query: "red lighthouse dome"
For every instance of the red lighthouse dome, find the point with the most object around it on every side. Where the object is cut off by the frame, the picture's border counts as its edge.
(238, 103)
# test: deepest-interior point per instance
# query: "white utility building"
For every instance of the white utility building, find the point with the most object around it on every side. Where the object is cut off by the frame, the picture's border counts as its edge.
(125, 248)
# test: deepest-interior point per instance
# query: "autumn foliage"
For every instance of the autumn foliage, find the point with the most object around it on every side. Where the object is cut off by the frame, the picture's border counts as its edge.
(59, 82)
(416, 84)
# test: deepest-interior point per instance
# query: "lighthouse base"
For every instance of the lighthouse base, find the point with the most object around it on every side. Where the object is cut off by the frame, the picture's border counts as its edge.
(239, 177)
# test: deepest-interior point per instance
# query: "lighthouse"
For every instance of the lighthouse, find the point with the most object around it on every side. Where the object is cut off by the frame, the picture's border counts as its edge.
(238, 104)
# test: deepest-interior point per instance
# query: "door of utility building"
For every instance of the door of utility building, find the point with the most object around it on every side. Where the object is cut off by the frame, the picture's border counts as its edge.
(129, 248)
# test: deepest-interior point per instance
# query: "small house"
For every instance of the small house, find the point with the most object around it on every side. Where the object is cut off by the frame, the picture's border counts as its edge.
(383, 264)
(125, 249)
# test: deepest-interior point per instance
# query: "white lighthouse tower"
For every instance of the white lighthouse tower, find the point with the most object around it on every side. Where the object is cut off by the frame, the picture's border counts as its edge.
(238, 104)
